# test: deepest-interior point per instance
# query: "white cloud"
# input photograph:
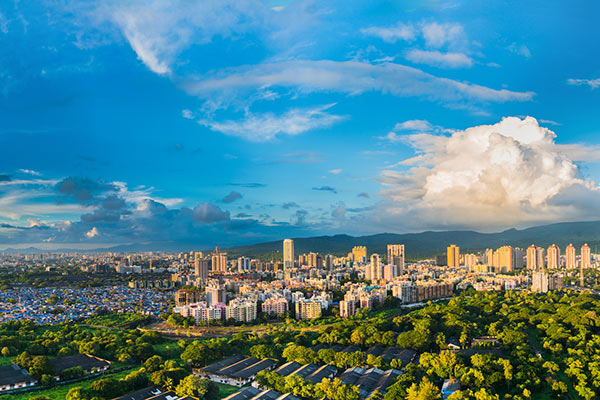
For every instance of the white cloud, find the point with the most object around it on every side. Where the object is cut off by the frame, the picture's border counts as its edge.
(335, 171)
(351, 77)
(392, 34)
(438, 59)
(508, 174)
(264, 127)
(92, 233)
(187, 114)
(592, 83)
(438, 35)
(30, 172)
(161, 29)
(521, 50)
(414, 125)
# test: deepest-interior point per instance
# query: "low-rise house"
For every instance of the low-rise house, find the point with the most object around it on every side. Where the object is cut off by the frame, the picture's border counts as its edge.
(89, 364)
(14, 377)
(142, 394)
(237, 370)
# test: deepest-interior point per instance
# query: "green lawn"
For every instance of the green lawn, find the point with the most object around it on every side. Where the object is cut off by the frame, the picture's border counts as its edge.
(7, 360)
(60, 392)
(117, 319)
(226, 390)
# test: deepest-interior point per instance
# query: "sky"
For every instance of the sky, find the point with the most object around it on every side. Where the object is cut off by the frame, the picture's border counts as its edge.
(206, 123)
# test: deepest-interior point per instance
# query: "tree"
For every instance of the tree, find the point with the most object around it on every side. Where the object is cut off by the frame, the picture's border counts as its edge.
(47, 380)
(195, 354)
(424, 391)
(40, 366)
(78, 393)
(153, 363)
(202, 388)
(261, 351)
(107, 387)
(40, 397)
(5, 352)
(136, 380)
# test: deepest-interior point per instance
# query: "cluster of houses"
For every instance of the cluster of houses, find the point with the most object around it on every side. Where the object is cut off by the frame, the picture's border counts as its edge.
(14, 377)
(70, 304)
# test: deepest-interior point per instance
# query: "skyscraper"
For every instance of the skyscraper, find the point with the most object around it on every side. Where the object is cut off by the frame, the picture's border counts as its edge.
(243, 264)
(586, 256)
(200, 267)
(395, 254)
(374, 272)
(219, 261)
(288, 254)
(505, 261)
(570, 257)
(359, 253)
(453, 252)
(553, 257)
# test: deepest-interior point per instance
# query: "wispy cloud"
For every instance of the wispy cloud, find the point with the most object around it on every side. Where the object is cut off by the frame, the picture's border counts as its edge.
(521, 50)
(439, 59)
(392, 34)
(335, 171)
(350, 77)
(30, 172)
(592, 83)
(231, 197)
(325, 189)
(267, 126)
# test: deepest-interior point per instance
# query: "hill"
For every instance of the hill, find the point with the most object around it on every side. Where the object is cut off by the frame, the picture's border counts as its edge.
(430, 243)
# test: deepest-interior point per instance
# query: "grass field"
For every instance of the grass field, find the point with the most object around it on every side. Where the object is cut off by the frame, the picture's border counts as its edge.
(117, 319)
(60, 392)
(7, 360)
(226, 390)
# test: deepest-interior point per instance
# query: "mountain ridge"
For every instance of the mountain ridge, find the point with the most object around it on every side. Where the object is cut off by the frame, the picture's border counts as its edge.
(418, 245)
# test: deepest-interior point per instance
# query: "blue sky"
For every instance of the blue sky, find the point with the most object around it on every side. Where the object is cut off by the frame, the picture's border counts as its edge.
(230, 122)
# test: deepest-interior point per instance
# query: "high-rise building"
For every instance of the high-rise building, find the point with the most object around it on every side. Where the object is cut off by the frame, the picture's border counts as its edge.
(219, 261)
(241, 310)
(535, 258)
(215, 293)
(470, 260)
(315, 260)
(374, 272)
(570, 257)
(347, 308)
(243, 264)
(308, 309)
(489, 257)
(553, 257)
(359, 253)
(453, 252)
(201, 268)
(518, 258)
(288, 254)
(503, 259)
(586, 256)
(395, 254)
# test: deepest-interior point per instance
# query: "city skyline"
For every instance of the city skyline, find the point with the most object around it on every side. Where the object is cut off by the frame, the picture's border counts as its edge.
(235, 123)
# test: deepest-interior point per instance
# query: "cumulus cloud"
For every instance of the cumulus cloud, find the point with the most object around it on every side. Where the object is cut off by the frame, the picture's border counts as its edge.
(438, 59)
(508, 174)
(438, 35)
(92, 233)
(206, 213)
(592, 83)
(392, 34)
(231, 197)
(264, 127)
